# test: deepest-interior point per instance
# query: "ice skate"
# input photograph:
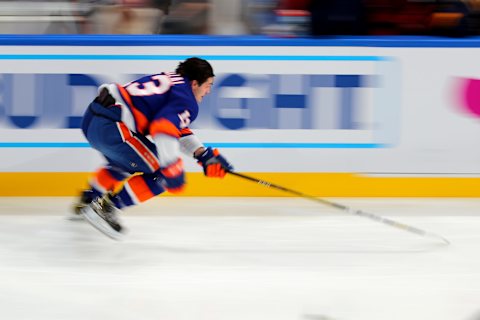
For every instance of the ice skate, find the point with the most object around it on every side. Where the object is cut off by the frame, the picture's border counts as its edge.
(85, 199)
(103, 215)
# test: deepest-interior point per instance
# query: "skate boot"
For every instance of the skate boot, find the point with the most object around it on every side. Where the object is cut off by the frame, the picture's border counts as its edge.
(85, 199)
(102, 214)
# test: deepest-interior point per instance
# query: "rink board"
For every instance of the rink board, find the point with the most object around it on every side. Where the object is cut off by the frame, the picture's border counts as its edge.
(316, 184)
(330, 117)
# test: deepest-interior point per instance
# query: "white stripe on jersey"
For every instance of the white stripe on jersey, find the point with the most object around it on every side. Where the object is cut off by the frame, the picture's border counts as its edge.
(189, 144)
(168, 149)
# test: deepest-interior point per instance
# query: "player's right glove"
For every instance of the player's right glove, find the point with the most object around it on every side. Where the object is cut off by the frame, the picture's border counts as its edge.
(214, 164)
(174, 177)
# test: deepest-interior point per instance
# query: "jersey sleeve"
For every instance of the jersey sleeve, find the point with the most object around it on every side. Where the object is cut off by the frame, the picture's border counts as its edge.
(189, 143)
(170, 123)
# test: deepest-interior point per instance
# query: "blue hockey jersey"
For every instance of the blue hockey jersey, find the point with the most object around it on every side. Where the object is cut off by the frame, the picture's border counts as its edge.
(156, 104)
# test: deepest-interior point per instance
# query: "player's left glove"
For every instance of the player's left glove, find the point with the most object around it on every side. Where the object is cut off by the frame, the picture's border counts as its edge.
(174, 177)
(214, 165)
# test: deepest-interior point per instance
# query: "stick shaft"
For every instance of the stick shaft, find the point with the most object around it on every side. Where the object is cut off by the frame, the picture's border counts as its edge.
(347, 209)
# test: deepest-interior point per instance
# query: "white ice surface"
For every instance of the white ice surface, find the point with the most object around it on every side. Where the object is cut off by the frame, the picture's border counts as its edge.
(241, 259)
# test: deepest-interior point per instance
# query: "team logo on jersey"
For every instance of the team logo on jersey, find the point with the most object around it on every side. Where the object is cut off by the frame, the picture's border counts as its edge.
(184, 119)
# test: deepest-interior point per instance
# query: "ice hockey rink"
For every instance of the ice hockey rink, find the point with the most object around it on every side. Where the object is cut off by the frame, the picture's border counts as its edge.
(242, 259)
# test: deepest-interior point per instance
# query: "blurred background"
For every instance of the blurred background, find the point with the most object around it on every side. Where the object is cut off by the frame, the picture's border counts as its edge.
(283, 18)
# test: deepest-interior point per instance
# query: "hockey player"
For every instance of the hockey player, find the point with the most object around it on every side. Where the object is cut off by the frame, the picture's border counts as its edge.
(140, 128)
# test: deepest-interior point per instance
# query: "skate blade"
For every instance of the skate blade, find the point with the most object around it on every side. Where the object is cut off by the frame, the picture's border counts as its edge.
(101, 225)
(72, 216)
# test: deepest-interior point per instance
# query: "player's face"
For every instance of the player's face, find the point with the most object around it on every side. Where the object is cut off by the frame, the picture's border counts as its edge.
(199, 91)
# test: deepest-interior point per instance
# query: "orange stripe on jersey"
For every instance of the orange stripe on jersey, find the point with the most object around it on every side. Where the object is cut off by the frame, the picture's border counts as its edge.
(185, 132)
(164, 126)
(106, 180)
(124, 131)
(140, 188)
(140, 119)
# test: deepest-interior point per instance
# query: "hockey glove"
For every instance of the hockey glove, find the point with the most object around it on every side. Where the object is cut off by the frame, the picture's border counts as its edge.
(174, 177)
(214, 165)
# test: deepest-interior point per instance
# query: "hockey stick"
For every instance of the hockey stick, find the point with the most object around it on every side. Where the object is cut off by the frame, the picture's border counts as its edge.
(339, 206)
